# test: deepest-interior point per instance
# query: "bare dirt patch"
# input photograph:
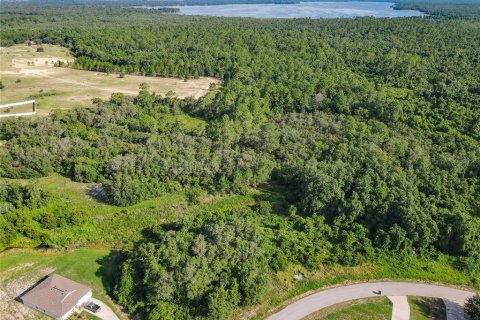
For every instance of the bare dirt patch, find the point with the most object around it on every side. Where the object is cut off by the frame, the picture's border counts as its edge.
(15, 269)
(35, 66)
(27, 74)
(11, 288)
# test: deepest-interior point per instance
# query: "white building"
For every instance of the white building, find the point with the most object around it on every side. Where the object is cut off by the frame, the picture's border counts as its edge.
(57, 297)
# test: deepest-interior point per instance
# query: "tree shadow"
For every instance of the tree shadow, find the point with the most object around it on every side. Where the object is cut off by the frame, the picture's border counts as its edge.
(433, 308)
(98, 193)
(277, 195)
(110, 270)
(423, 307)
(152, 234)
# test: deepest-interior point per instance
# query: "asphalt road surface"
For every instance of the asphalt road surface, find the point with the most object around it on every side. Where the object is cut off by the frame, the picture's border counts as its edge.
(329, 297)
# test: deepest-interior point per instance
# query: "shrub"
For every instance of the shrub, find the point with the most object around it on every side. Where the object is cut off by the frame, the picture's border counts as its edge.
(472, 307)
(195, 194)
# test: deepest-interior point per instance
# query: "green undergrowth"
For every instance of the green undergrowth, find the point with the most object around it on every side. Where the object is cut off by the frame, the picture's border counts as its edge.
(113, 226)
(187, 122)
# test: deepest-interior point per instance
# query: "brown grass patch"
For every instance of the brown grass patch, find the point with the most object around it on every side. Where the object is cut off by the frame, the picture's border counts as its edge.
(28, 74)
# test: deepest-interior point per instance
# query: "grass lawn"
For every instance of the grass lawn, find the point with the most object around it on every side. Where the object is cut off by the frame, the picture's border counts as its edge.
(27, 74)
(422, 308)
(19, 269)
(107, 226)
(365, 309)
(284, 288)
(83, 316)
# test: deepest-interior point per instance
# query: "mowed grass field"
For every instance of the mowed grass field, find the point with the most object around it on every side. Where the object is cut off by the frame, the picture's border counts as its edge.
(422, 308)
(20, 269)
(27, 74)
(366, 309)
(380, 308)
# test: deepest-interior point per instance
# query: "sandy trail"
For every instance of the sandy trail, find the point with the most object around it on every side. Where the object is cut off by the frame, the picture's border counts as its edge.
(86, 85)
(27, 74)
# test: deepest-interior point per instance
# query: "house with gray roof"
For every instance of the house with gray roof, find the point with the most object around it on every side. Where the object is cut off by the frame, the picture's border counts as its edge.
(57, 297)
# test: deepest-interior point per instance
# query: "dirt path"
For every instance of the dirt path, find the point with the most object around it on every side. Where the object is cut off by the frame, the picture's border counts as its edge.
(45, 75)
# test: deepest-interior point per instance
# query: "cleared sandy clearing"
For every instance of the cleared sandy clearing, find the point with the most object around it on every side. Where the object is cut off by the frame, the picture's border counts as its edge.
(27, 74)
(11, 287)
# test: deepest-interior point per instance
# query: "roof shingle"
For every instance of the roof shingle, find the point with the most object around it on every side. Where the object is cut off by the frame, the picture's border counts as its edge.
(56, 295)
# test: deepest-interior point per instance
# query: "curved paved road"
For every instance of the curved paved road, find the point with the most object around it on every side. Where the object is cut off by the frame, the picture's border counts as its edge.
(326, 298)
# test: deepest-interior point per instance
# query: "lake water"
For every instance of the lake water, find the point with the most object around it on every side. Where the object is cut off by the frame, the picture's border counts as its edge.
(347, 9)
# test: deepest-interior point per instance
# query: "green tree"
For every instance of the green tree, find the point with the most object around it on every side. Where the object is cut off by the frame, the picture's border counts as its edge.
(472, 307)
(208, 266)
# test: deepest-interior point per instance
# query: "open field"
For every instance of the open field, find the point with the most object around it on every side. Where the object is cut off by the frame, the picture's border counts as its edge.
(27, 74)
(19, 269)
(422, 308)
(366, 309)
(112, 226)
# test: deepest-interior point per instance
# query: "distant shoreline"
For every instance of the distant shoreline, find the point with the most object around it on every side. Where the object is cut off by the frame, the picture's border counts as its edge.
(292, 9)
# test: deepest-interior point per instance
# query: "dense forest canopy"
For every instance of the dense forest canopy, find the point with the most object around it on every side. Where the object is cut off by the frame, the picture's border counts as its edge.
(215, 259)
(370, 126)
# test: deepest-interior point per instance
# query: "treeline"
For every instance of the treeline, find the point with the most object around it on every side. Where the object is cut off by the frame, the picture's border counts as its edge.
(370, 126)
(373, 68)
(458, 9)
(399, 190)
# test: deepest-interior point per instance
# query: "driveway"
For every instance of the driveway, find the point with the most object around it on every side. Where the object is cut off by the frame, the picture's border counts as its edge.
(400, 307)
(329, 297)
(454, 309)
(105, 312)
